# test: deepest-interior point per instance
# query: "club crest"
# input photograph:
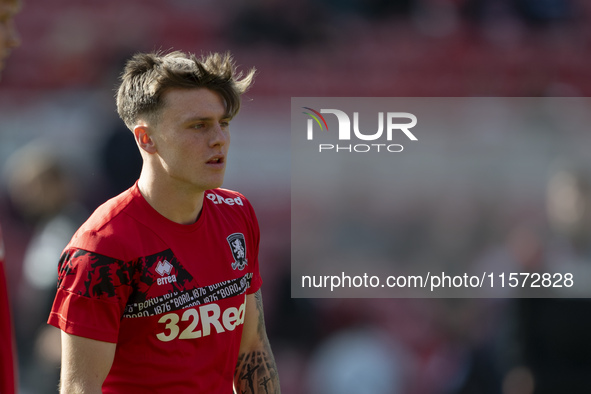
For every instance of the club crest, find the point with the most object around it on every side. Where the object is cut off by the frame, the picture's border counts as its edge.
(238, 248)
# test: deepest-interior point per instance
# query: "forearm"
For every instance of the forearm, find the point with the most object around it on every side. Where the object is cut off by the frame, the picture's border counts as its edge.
(68, 388)
(85, 364)
(256, 372)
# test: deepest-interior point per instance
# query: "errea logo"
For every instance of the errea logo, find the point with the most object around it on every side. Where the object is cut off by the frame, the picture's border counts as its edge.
(395, 121)
(165, 268)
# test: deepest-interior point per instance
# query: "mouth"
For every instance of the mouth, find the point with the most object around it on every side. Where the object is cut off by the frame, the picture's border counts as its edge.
(217, 160)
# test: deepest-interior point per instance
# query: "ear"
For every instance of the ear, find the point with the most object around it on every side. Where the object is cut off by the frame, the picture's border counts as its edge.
(143, 139)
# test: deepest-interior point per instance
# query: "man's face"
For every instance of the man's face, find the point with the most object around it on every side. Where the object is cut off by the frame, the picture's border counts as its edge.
(192, 138)
(8, 35)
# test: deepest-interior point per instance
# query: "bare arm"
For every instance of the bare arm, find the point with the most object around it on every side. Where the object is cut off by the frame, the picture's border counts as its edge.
(256, 372)
(85, 364)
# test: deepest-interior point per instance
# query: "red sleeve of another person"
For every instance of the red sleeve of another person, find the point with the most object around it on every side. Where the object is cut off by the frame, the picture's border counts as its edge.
(7, 365)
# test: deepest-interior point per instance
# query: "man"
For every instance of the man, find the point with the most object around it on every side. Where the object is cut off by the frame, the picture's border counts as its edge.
(8, 41)
(159, 291)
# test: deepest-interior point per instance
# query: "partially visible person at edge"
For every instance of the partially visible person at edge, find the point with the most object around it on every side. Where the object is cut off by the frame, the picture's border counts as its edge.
(8, 41)
(159, 291)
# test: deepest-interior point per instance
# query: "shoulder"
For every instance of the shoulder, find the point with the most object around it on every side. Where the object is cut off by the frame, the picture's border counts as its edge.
(230, 202)
(107, 228)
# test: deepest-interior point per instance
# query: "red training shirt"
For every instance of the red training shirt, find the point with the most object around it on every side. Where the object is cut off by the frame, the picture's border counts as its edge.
(171, 296)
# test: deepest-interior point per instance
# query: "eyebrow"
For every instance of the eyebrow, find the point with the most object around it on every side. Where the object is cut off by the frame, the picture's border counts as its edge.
(204, 118)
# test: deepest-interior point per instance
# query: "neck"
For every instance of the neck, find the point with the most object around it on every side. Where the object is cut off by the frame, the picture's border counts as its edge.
(177, 202)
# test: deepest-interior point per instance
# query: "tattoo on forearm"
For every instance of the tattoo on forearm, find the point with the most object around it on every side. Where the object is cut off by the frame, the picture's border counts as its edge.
(256, 372)
(261, 324)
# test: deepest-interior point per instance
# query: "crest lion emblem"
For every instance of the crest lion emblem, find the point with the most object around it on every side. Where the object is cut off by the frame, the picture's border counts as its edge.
(238, 248)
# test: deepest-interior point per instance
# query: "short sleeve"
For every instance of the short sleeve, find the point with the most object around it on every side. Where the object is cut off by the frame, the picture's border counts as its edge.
(256, 281)
(92, 293)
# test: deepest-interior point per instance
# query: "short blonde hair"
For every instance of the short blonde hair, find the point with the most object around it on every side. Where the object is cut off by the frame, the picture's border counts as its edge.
(147, 75)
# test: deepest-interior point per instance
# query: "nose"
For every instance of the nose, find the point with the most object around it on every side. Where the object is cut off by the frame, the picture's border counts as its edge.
(220, 136)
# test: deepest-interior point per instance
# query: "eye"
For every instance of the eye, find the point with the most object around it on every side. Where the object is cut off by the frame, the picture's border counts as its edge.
(198, 126)
(225, 123)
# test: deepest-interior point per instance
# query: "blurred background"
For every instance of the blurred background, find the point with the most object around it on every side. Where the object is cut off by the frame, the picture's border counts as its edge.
(63, 151)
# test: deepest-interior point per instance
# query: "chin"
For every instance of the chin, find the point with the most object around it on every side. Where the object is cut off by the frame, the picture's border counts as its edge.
(212, 185)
